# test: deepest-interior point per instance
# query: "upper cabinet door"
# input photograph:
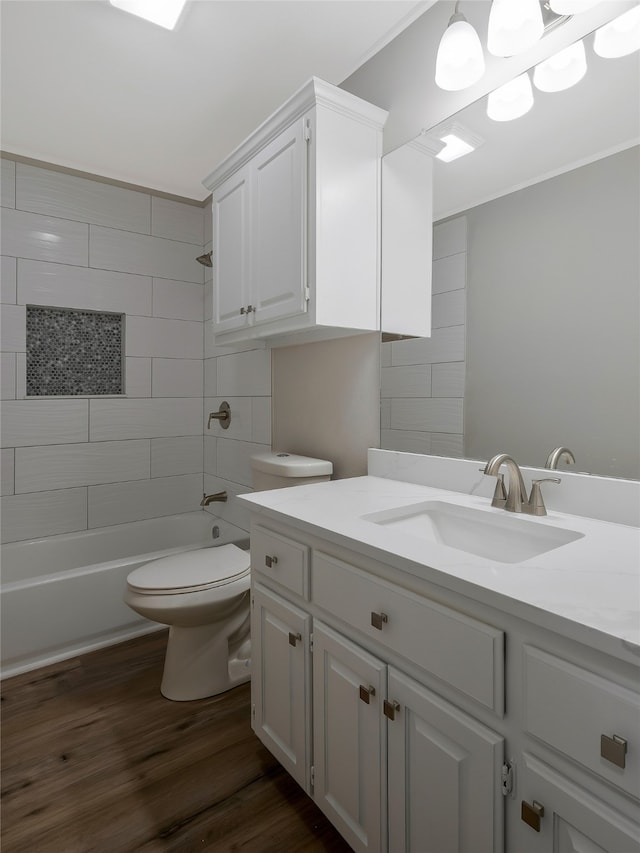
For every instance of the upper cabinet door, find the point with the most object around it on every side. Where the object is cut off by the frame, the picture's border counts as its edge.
(278, 226)
(232, 269)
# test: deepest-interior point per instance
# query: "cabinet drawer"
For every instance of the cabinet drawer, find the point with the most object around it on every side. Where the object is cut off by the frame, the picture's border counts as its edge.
(460, 651)
(282, 560)
(570, 709)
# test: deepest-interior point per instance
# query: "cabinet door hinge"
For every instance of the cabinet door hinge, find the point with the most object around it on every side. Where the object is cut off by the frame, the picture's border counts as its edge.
(311, 643)
(507, 773)
(307, 293)
(312, 777)
(253, 711)
(307, 130)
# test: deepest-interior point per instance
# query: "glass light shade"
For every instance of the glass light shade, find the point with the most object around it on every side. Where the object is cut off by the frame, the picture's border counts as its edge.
(512, 100)
(571, 7)
(620, 36)
(561, 71)
(460, 61)
(165, 13)
(514, 26)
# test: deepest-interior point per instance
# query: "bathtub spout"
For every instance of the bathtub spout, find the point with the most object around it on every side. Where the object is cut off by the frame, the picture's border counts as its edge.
(207, 499)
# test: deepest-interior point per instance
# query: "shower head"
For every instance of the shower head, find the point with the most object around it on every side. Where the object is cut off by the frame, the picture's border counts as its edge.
(205, 260)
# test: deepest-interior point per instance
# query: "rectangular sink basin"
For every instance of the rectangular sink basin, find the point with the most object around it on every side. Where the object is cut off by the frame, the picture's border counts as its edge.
(505, 538)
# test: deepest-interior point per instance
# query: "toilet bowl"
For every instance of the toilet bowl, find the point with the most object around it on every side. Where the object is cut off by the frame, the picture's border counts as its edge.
(203, 596)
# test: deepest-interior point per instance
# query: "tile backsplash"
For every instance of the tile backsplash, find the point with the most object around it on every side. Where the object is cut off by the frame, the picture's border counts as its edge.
(75, 462)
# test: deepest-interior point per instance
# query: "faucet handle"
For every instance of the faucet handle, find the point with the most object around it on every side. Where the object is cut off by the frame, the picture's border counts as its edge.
(500, 493)
(535, 505)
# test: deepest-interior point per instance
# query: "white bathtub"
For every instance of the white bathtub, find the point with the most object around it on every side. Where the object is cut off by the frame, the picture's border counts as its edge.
(62, 595)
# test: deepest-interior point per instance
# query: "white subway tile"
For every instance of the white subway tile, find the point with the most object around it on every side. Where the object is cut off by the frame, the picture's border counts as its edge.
(7, 459)
(44, 238)
(135, 501)
(427, 415)
(447, 445)
(231, 510)
(245, 374)
(208, 300)
(21, 376)
(449, 273)
(13, 328)
(445, 344)
(210, 377)
(40, 514)
(450, 237)
(137, 377)
(411, 380)
(210, 457)
(177, 377)
(80, 287)
(8, 279)
(405, 441)
(234, 457)
(240, 426)
(176, 220)
(8, 376)
(7, 183)
(261, 420)
(447, 380)
(448, 309)
(68, 465)
(178, 300)
(111, 249)
(37, 422)
(72, 197)
(155, 418)
(160, 338)
(173, 456)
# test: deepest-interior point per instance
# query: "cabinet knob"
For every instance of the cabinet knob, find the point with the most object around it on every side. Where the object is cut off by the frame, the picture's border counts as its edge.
(270, 561)
(389, 709)
(531, 814)
(367, 692)
(293, 638)
(377, 620)
(614, 749)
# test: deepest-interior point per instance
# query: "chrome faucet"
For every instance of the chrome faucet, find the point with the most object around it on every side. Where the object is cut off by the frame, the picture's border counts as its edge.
(556, 455)
(218, 496)
(516, 497)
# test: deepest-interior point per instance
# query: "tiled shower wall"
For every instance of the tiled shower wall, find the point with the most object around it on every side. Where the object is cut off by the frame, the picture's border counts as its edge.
(72, 463)
(422, 383)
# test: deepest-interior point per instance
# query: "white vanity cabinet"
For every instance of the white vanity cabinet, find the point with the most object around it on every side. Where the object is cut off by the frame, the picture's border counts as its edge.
(296, 222)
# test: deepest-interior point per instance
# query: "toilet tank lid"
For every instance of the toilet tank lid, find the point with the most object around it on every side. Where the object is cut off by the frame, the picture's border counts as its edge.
(290, 465)
(200, 568)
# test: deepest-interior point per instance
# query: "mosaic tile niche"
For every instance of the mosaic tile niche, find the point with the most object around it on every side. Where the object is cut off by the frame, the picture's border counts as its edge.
(71, 352)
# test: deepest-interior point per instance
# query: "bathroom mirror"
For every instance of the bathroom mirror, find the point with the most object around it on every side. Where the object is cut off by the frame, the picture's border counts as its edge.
(536, 279)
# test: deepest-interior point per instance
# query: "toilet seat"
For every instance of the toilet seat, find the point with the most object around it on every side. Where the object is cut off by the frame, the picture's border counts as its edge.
(193, 571)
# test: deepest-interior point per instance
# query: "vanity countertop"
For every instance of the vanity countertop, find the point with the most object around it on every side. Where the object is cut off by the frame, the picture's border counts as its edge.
(587, 590)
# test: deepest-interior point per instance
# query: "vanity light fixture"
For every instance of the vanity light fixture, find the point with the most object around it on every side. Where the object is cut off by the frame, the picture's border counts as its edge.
(458, 141)
(514, 26)
(620, 36)
(512, 100)
(562, 70)
(460, 60)
(165, 13)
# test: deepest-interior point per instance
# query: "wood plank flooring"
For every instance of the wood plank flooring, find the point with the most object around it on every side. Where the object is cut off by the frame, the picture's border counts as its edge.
(95, 760)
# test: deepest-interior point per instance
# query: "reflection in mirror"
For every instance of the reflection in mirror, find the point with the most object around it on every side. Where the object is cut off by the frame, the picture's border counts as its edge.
(536, 300)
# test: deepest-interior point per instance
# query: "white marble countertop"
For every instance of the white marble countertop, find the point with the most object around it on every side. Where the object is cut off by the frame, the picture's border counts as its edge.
(588, 590)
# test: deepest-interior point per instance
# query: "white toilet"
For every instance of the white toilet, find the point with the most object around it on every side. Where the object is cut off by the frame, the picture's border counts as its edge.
(203, 595)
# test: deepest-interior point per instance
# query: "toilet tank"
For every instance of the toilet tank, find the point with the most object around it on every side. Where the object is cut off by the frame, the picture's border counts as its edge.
(275, 470)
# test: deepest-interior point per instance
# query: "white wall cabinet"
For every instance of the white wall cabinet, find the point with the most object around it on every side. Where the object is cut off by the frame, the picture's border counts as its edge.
(296, 222)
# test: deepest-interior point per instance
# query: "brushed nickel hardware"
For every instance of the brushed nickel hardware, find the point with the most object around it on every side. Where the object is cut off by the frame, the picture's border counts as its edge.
(366, 693)
(223, 415)
(499, 494)
(614, 749)
(377, 620)
(270, 561)
(506, 778)
(535, 504)
(517, 494)
(207, 499)
(389, 709)
(293, 638)
(531, 814)
(247, 310)
(557, 455)
(205, 259)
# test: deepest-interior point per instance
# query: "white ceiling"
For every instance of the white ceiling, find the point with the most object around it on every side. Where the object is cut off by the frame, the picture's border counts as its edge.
(88, 87)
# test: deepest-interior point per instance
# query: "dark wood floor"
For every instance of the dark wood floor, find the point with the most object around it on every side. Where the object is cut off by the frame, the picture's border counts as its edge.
(95, 759)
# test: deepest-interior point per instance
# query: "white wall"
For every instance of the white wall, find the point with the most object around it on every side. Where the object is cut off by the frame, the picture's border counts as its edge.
(71, 463)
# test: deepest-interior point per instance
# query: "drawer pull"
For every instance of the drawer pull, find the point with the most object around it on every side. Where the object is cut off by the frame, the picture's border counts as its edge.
(531, 814)
(614, 749)
(367, 692)
(293, 638)
(377, 620)
(270, 561)
(389, 709)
